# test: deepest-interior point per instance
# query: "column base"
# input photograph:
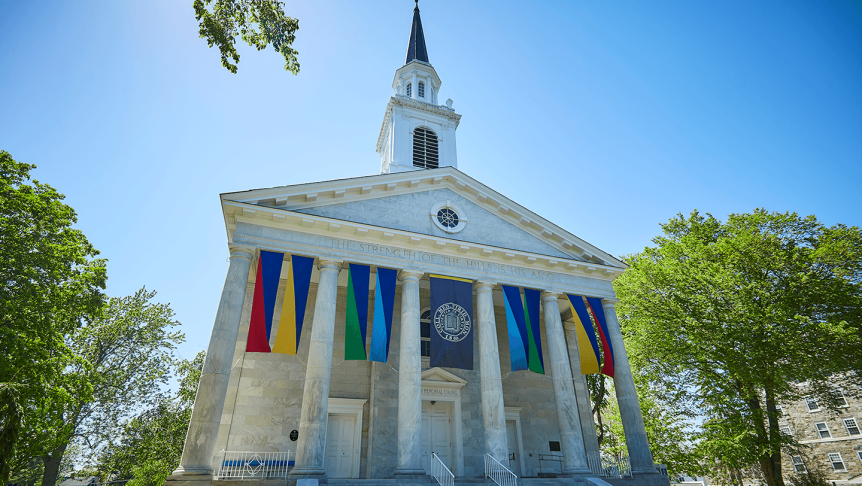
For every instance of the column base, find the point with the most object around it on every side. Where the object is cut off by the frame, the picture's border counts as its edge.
(303, 476)
(192, 473)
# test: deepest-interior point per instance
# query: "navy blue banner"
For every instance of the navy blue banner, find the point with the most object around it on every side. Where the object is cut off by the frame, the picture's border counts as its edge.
(451, 322)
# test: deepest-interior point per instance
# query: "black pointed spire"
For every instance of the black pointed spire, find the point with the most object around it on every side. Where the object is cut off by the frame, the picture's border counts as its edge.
(416, 48)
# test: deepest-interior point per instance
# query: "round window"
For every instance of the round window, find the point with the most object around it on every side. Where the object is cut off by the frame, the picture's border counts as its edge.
(448, 217)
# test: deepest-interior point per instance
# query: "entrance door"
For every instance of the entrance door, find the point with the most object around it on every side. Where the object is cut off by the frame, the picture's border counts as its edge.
(437, 433)
(514, 452)
(340, 433)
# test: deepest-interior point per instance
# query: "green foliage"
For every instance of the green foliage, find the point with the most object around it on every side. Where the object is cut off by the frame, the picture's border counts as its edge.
(49, 281)
(737, 316)
(812, 477)
(152, 442)
(258, 22)
(125, 355)
(11, 423)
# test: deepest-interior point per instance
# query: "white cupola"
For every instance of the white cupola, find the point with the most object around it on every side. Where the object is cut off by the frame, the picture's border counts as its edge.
(417, 132)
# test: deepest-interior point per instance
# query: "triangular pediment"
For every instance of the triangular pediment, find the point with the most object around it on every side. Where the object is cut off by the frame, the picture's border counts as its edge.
(440, 376)
(403, 202)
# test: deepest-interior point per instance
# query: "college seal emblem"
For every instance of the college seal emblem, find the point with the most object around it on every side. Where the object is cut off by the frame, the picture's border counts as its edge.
(452, 322)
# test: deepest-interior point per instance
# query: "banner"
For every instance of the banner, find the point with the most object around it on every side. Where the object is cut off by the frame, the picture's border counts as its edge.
(356, 315)
(588, 348)
(607, 349)
(451, 322)
(384, 303)
(522, 318)
(293, 307)
(263, 303)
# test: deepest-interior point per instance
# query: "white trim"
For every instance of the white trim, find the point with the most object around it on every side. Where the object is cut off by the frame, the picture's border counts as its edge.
(840, 459)
(819, 432)
(808, 405)
(514, 413)
(855, 423)
(462, 219)
(348, 406)
(447, 388)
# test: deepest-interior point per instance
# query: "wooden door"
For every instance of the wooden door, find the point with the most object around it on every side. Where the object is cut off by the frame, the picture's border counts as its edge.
(340, 435)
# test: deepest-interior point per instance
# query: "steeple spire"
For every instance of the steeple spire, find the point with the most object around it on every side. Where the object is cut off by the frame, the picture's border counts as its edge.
(416, 48)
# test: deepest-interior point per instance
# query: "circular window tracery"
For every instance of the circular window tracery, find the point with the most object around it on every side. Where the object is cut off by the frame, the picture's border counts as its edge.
(448, 217)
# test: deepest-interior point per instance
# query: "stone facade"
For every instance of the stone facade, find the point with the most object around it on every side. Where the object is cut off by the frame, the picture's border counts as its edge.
(846, 441)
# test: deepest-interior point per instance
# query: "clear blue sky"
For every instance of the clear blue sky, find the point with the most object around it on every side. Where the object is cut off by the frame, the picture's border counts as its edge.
(606, 117)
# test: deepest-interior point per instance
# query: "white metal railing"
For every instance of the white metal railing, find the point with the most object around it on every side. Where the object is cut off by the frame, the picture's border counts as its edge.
(499, 473)
(254, 465)
(440, 472)
(610, 467)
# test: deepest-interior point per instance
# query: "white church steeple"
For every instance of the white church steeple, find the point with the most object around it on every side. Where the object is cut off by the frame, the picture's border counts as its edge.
(417, 132)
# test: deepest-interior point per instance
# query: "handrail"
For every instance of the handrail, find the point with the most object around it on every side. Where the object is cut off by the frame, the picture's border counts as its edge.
(610, 467)
(440, 472)
(254, 465)
(499, 473)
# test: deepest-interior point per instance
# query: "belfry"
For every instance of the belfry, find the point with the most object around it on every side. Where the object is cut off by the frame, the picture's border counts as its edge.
(413, 326)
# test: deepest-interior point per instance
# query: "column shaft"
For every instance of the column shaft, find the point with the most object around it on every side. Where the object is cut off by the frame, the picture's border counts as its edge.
(410, 376)
(571, 438)
(627, 398)
(493, 409)
(310, 451)
(200, 441)
(582, 393)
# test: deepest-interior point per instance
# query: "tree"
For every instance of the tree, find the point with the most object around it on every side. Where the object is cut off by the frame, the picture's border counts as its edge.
(258, 22)
(125, 355)
(152, 443)
(738, 316)
(49, 280)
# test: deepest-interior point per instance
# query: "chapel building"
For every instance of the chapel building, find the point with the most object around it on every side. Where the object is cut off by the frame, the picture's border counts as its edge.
(282, 386)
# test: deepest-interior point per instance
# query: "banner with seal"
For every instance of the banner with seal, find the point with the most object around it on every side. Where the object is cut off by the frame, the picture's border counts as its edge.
(451, 322)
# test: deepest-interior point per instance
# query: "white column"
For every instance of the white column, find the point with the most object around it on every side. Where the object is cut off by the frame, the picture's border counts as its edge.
(410, 376)
(493, 410)
(582, 393)
(200, 442)
(414, 90)
(310, 451)
(571, 439)
(627, 397)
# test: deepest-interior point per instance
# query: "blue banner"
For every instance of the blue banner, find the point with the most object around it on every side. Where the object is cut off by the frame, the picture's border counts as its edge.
(451, 322)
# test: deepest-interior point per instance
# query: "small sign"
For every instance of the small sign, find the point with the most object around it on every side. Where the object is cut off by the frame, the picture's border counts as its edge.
(294, 434)
(553, 445)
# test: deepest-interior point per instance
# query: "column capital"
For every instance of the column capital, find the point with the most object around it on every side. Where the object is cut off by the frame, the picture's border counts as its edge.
(329, 264)
(483, 286)
(238, 251)
(548, 295)
(609, 302)
(408, 275)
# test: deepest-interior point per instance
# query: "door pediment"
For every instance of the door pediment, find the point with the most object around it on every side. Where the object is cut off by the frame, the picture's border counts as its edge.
(438, 378)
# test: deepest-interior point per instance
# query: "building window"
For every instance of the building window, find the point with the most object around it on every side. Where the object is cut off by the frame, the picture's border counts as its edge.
(409, 90)
(823, 430)
(424, 148)
(425, 333)
(785, 430)
(798, 465)
(859, 453)
(813, 406)
(837, 462)
(852, 427)
(839, 398)
(447, 217)
(421, 89)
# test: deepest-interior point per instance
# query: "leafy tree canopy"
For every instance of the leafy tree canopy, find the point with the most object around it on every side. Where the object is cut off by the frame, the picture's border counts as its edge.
(738, 316)
(152, 442)
(126, 356)
(258, 22)
(49, 281)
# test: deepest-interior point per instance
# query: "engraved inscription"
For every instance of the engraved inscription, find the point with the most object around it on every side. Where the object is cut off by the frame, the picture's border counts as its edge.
(456, 262)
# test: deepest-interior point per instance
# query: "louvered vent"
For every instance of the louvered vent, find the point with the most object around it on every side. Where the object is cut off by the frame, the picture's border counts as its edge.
(424, 148)
(421, 89)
